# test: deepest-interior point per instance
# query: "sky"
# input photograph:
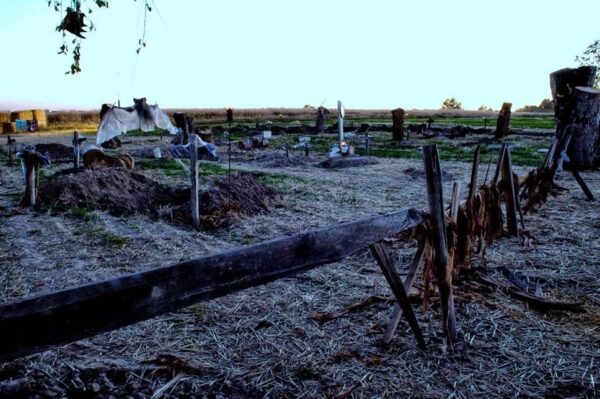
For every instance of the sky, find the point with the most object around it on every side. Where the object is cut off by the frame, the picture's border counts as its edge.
(378, 54)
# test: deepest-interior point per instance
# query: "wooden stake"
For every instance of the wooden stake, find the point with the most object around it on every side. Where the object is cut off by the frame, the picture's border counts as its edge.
(31, 161)
(510, 197)
(582, 184)
(387, 267)
(442, 272)
(499, 164)
(195, 203)
(474, 173)
(455, 201)
(76, 151)
(390, 329)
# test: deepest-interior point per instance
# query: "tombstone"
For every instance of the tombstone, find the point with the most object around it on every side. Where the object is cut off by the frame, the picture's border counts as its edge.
(398, 124)
(503, 123)
(321, 120)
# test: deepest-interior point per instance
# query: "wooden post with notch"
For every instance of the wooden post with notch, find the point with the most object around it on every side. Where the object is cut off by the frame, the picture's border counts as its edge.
(387, 267)
(442, 272)
(195, 203)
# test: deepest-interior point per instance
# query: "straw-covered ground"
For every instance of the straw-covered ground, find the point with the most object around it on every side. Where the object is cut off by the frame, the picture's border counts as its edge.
(263, 342)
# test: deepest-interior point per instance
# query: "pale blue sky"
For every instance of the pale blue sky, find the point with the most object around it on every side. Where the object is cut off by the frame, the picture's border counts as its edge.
(276, 53)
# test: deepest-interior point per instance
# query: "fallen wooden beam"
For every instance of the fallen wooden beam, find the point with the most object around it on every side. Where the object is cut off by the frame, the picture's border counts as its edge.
(34, 324)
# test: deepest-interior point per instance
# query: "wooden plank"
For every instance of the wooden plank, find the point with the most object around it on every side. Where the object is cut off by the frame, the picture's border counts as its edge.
(387, 267)
(442, 272)
(392, 325)
(34, 324)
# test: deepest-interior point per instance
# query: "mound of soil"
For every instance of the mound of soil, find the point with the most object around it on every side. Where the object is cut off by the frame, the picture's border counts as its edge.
(56, 152)
(348, 162)
(116, 190)
(279, 160)
(123, 192)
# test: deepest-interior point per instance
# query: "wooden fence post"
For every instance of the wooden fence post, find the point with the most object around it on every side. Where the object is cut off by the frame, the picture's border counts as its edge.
(503, 123)
(31, 159)
(474, 173)
(76, 145)
(510, 197)
(442, 271)
(195, 203)
(398, 124)
(11, 147)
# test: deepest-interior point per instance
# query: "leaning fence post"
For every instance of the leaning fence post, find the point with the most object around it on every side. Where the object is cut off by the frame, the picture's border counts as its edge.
(442, 270)
(195, 203)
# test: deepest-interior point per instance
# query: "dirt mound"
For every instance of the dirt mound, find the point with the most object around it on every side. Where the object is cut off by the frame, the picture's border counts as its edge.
(222, 205)
(279, 160)
(123, 192)
(115, 190)
(348, 162)
(56, 152)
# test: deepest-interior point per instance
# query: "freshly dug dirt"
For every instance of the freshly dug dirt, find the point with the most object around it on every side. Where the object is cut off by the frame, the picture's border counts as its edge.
(115, 190)
(56, 152)
(124, 192)
(348, 162)
(223, 204)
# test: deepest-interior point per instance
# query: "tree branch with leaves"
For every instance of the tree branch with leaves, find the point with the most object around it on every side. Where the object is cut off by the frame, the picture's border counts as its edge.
(73, 25)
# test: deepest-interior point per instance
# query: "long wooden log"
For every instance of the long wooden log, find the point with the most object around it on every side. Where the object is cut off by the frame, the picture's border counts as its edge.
(34, 324)
(442, 270)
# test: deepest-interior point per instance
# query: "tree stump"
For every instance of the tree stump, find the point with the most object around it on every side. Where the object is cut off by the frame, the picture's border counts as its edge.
(577, 112)
(398, 124)
(503, 123)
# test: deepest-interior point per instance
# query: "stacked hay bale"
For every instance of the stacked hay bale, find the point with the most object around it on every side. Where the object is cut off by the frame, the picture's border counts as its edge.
(4, 119)
(40, 116)
(24, 115)
(9, 127)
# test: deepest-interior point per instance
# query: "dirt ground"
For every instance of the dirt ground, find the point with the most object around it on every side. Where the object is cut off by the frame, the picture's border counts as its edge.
(262, 342)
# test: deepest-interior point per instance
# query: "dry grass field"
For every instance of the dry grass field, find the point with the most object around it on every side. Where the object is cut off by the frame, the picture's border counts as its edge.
(264, 341)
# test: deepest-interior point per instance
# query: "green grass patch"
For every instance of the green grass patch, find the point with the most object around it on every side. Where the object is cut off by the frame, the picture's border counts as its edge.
(82, 214)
